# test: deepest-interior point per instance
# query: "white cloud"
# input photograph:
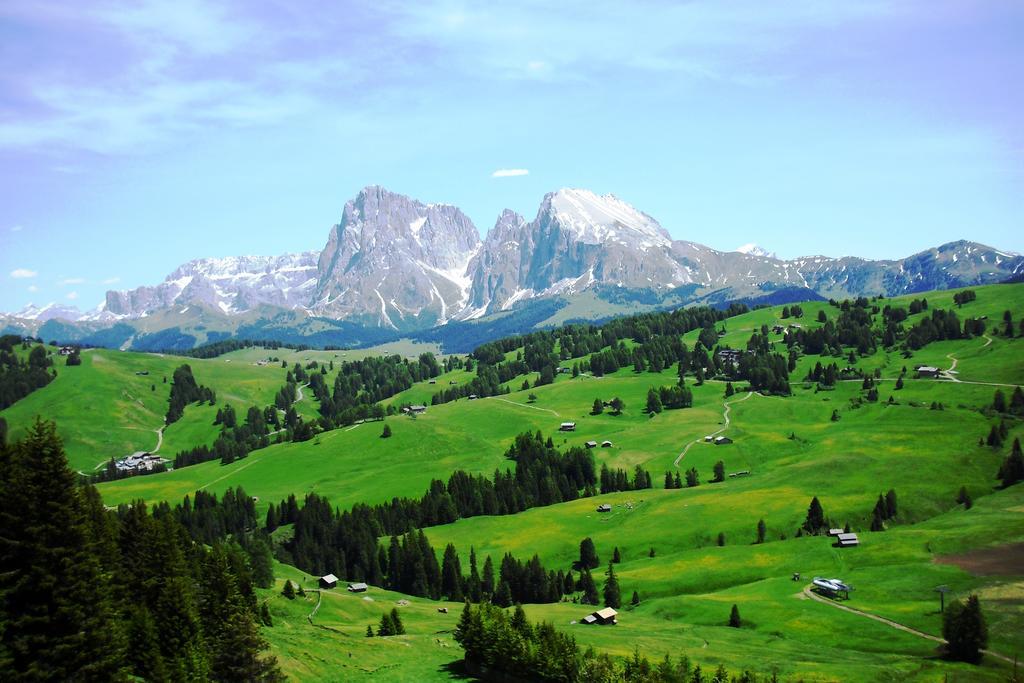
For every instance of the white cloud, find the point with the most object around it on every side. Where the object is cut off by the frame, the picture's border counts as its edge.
(510, 172)
(20, 273)
(17, 228)
(33, 288)
(111, 280)
(72, 295)
(73, 281)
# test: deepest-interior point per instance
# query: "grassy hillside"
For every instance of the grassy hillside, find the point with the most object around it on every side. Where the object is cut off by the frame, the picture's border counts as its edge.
(790, 446)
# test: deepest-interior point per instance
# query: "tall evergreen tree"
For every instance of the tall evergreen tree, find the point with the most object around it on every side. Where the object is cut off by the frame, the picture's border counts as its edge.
(815, 520)
(58, 619)
(588, 554)
(612, 594)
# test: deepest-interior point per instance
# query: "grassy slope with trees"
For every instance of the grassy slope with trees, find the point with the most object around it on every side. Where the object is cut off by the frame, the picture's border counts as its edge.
(687, 588)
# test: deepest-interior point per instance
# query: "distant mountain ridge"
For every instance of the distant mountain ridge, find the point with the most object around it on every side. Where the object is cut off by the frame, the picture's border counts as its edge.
(400, 266)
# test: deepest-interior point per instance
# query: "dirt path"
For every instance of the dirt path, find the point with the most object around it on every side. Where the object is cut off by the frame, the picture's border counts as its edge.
(988, 340)
(159, 439)
(889, 622)
(522, 405)
(725, 414)
(233, 472)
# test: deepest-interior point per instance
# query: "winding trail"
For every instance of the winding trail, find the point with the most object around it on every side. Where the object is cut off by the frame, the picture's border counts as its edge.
(232, 472)
(889, 622)
(521, 405)
(725, 414)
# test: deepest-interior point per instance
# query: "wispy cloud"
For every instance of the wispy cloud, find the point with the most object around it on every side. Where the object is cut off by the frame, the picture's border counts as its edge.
(72, 295)
(17, 228)
(33, 288)
(122, 79)
(21, 273)
(111, 280)
(73, 281)
(510, 172)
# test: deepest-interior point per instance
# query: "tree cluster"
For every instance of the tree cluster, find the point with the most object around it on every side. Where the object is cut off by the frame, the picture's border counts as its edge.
(496, 641)
(19, 378)
(178, 611)
(185, 390)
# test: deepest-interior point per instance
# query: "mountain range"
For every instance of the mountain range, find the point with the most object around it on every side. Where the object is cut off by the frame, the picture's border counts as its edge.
(393, 266)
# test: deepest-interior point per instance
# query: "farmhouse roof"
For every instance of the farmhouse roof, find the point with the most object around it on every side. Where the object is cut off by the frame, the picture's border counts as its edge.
(606, 613)
(330, 578)
(357, 587)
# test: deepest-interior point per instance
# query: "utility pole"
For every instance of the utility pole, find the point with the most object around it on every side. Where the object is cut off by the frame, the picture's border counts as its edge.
(942, 590)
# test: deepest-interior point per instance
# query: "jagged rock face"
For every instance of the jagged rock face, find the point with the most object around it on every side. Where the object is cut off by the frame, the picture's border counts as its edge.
(396, 262)
(577, 240)
(230, 285)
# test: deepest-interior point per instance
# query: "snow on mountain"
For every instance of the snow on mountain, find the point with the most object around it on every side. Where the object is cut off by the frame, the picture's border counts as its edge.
(394, 262)
(231, 285)
(753, 250)
(50, 311)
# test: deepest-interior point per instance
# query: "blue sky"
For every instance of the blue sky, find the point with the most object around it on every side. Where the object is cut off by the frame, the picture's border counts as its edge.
(135, 136)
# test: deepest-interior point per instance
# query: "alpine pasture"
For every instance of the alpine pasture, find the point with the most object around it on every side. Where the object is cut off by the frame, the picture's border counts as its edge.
(689, 553)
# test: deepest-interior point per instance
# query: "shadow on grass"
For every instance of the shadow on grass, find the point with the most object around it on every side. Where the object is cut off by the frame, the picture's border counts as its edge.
(457, 670)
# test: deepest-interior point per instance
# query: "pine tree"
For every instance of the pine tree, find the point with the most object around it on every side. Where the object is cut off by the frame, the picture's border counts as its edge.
(616, 557)
(386, 627)
(734, 617)
(636, 599)
(58, 619)
(598, 407)
(588, 554)
(612, 595)
(487, 583)
(891, 508)
(396, 622)
(965, 630)
(692, 477)
(386, 433)
(588, 587)
(762, 529)
(618, 405)
(999, 401)
(719, 472)
(503, 595)
(369, 631)
(653, 401)
(815, 521)
(289, 589)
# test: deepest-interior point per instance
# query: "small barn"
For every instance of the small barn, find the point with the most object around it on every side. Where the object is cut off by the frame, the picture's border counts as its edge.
(567, 427)
(329, 581)
(591, 444)
(604, 507)
(417, 409)
(606, 444)
(722, 440)
(927, 371)
(847, 540)
(709, 438)
(357, 587)
(778, 329)
(473, 397)
(835, 532)
(602, 617)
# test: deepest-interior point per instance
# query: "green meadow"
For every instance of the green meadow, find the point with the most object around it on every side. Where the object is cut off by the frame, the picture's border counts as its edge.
(790, 448)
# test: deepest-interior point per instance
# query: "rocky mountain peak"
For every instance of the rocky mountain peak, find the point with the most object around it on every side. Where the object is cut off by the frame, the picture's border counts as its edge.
(597, 219)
